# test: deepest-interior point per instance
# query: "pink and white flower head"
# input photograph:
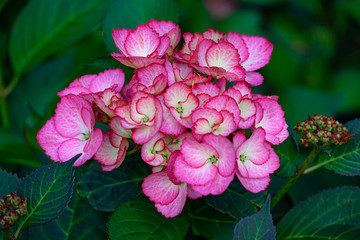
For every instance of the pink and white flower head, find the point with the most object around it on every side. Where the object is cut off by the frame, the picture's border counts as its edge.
(89, 84)
(205, 91)
(142, 46)
(208, 166)
(243, 97)
(181, 103)
(143, 114)
(167, 29)
(150, 79)
(71, 131)
(112, 151)
(155, 151)
(270, 117)
(218, 116)
(255, 160)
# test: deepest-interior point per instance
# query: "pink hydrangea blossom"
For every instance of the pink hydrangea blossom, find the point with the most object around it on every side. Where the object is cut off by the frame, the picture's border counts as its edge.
(71, 131)
(255, 159)
(208, 166)
(143, 114)
(144, 45)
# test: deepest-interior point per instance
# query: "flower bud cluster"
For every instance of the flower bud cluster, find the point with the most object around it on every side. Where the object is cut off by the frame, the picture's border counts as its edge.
(179, 108)
(322, 131)
(11, 208)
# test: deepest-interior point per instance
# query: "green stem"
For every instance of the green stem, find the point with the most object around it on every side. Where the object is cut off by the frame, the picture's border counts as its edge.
(137, 147)
(288, 184)
(8, 233)
(317, 166)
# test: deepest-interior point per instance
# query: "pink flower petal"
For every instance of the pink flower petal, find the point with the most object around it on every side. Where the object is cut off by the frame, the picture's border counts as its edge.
(222, 55)
(50, 140)
(119, 36)
(254, 185)
(142, 41)
(174, 208)
(196, 154)
(108, 79)
(70, 148)
(191, 175)
(260, 51)
(215, 187)
(137, 62)
(236, 40)
(159, 188)
(254, 78)
(68, 116)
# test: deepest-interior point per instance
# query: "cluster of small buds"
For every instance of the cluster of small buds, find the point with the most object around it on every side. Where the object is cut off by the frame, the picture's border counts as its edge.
(322, 131)
(11, 208)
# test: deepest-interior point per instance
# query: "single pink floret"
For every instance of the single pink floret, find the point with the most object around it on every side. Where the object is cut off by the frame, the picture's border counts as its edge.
(71, 131)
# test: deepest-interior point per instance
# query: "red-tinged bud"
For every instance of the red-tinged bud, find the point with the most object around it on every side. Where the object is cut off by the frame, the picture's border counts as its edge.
(11, 208)
(322, 131)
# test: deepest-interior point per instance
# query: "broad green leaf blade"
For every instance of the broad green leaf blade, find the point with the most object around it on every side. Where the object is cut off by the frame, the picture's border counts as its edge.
(257, 226)
(8, 183)
(139, 219)
(210, 223)
(315, 217)
(79, 221)
(129, 14)
(237, 201)
(106, 190)
(14, 149)
(44, 27)
(48, 191)
(345, 159)
(287, 151)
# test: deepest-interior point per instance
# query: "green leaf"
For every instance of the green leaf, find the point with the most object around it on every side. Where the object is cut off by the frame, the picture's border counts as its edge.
(139, 219)
(14, 150)
(48, 191)
(252, 18)
(288, 152)
(44, 27)
(237, 201)
(78, 221)
(345, 159)
(210, 223)
(106, 190)
(8, 183)
(129, 14)
(315, 218)
(257, 226)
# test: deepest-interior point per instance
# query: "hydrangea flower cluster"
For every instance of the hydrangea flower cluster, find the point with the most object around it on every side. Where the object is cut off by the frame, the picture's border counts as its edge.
(11, 208)
(322, 131)
(195, 130)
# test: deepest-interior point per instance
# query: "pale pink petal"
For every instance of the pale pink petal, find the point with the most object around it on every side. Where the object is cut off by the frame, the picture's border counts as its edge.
(202, 51)
(78, 86)
(260, 51)
(204, 119)
(254, 78)
(159, 188)
(116, 126)
(216, 186)
(191, 175)
(68, 118)
(196, 154)
(142, 41)
(119, 36)
(174, 208)
(222, 55)
(254, 185)
(149, 151)
(224, 102)
(236, 40)
(70, 148)
(192, 194)
(50, 140)
(108, 79)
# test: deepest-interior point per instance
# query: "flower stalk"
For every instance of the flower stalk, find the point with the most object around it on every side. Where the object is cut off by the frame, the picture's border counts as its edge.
(290, 182)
